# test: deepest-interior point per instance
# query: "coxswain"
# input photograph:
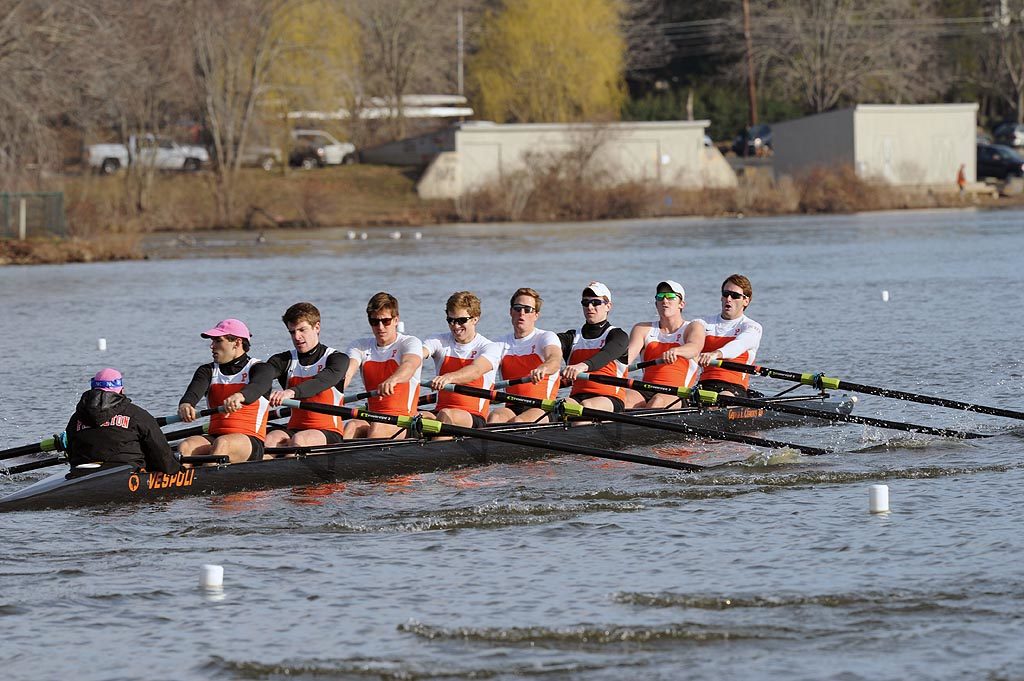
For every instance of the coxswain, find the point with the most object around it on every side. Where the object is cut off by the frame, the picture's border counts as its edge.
(527, 352)
(107, 428)
(598, 348)
(670, 338)
(732, 336)
(390, 363)
(310, 371)
(463, 357)
(237, 382)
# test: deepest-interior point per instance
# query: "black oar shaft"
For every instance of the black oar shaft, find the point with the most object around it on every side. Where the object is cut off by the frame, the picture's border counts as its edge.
(822, 381)
(33, 465)
(438, 428)
(710, 397)
(636, 420)
(47, 445)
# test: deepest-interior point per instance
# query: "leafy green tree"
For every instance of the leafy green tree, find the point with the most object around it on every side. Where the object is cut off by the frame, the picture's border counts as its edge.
(542, 61)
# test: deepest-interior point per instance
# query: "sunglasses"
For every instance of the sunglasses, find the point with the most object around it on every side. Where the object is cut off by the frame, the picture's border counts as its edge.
(380, 321)
(735, 295)
(668, 295)
(592, 302)
(461, 321)
(526, 309)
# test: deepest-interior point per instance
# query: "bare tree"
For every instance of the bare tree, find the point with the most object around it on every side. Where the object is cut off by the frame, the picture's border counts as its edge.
(829, 52)
(643, 27)
(1004, 55)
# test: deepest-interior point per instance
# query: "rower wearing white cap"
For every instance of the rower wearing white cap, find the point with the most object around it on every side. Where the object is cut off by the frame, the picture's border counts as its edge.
(670, 338)
(107, 428)
(730, 335)
(598, 348)
(241, 385)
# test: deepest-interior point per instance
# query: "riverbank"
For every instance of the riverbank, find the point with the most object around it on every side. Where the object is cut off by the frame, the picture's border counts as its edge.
(107, 216)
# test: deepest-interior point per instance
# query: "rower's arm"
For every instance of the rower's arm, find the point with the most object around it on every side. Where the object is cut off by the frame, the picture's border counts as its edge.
(693, 341)
(198, 387)
(552, 360)
(749, 338)
(155, 447)
(410, 363)
(261, 381)
(615, 347)
(353, 366)
(332, 375)
(636, 341)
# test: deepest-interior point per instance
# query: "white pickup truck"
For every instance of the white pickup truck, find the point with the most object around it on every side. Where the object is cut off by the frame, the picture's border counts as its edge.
(155, 151)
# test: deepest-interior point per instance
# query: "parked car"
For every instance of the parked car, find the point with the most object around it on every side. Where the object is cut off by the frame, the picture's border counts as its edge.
(267, 158)
(317, 148)
(999, 161)
(162, 153)
(754, 141)
(1009, 134)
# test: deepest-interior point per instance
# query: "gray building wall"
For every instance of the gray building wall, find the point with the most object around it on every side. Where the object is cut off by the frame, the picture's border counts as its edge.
(903, 145)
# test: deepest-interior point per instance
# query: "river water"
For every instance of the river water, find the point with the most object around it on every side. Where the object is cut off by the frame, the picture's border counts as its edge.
(569, 568)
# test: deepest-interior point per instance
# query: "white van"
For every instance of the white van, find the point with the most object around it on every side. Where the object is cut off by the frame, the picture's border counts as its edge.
(320, 148)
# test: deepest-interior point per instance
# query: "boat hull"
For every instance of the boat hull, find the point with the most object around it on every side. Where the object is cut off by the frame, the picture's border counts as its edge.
(366, 459)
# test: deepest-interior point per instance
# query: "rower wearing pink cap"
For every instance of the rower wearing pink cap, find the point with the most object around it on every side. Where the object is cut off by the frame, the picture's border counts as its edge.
(107, 428)
(670, 338)
(241, 385)
(598, 348)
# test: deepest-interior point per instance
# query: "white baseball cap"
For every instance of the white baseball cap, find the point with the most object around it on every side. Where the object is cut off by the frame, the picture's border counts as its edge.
(598, 289)
(673, 286)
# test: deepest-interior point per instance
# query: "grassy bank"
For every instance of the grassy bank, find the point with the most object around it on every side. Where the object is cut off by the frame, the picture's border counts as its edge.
(107, 215)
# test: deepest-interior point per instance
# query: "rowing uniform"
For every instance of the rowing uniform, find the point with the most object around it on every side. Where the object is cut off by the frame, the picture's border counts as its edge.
(520, 356)
(314, 376)
(246, 375)
(450, 355)
(377, 364)
(603, 348)
(683, 372)
(738, 341)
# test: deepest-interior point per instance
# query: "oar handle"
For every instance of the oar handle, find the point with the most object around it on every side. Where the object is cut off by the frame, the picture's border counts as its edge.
(500, 385)
(33, 465)
(176, 418)
(636, 366)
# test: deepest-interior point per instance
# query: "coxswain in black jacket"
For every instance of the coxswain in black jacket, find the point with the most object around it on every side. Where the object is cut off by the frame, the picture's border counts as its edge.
(108, 428)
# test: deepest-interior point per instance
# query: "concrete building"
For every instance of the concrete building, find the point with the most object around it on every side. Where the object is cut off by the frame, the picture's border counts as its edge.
(671, 153)
(903, 145)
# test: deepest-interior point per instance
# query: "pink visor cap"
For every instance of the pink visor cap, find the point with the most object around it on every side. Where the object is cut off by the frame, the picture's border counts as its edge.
(228, 327)
(109, 380)
(598, 289)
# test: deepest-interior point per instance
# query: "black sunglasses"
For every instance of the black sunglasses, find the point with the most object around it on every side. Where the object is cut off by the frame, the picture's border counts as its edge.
(524, 308)
(733, 294)
(380, 321)
(458, 320)
(592, 302)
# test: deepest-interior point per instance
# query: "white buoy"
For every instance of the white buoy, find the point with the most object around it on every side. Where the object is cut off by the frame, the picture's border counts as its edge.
(885, 296)
(101, 344)
(363, 236)
(396, 235)
(212, 577)
(878, 499)
(418, 235)
(351, 235)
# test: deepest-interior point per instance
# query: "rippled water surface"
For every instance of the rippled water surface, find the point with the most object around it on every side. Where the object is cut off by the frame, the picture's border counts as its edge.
(567, 568)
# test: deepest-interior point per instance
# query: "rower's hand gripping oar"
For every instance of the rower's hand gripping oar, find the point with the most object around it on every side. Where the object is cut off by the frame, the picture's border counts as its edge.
(821, 382)
(579, 411)
(432, 427)
(708, 397)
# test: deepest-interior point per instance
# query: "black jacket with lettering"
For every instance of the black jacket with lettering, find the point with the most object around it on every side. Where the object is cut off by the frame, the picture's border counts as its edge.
(107, 427)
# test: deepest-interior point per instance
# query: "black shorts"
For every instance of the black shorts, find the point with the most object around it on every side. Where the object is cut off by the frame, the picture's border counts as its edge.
(257, 446)
(617, 404)
(333, 437)
(721, 386)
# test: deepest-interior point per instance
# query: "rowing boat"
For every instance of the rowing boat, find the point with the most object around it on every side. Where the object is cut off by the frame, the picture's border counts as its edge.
(367, 459)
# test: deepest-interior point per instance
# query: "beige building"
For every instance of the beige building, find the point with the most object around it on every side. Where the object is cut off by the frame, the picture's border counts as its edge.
(903, 145)
(671, 153)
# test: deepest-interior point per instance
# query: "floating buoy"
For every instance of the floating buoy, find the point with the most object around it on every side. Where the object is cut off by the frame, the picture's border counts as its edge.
(878, 499)
(211, 577)
(885, 296)
(101, 344)
(363, 236)
(351, 235)
(418, 235)
(395, 235)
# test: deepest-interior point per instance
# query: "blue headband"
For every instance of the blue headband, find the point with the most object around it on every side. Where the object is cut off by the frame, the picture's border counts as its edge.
(102, 385)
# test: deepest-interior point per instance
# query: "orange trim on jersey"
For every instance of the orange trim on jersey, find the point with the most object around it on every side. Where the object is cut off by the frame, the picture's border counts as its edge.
(450, 400)
(680, 373)
(609, 369)
(249, 420)
(713, 373)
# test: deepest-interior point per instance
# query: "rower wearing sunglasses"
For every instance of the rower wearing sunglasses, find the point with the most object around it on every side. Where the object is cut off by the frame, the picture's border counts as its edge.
(598, 348)
(463, 357)
(528, 351)
(730, 335)
(390, 364)
(671, 338)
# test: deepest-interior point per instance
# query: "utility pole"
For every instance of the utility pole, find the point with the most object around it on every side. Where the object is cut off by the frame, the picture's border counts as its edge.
(751, 91)
(460, 47)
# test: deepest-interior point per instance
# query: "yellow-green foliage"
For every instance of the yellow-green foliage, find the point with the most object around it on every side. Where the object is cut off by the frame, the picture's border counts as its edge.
(319, 57)
(543, 61)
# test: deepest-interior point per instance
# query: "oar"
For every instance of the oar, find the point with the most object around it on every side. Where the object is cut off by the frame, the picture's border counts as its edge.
(33, 465)
(501, 385)
(710, 397)
(579, 411)
(431, 427)
(821, 381)
(175, 418)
